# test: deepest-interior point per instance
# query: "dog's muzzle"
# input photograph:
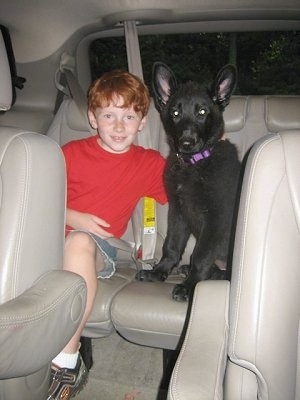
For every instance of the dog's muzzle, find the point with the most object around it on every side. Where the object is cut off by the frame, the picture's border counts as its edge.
(187, 142)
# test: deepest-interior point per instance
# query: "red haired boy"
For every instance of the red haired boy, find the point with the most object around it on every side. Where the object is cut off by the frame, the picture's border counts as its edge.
(106, 177)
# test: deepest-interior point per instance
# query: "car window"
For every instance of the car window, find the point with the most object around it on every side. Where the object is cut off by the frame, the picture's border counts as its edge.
(267, 61)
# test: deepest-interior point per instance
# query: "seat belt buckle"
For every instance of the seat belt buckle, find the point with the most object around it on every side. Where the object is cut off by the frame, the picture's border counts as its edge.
(144, 264)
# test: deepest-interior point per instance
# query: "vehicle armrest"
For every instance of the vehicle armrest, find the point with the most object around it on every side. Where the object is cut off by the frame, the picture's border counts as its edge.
(200, 367)
(36, 325)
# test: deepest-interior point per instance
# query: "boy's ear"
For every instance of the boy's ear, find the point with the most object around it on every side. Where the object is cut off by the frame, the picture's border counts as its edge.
(92, 119)
(142, 124)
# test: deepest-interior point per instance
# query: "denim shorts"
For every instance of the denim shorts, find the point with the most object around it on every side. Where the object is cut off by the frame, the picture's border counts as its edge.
(109, 254)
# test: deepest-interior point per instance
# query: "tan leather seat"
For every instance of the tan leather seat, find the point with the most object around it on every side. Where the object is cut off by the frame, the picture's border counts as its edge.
(242, 340)
(40, 305)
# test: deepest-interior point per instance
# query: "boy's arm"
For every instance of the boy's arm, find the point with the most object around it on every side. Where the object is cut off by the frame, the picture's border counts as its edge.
(87, 222)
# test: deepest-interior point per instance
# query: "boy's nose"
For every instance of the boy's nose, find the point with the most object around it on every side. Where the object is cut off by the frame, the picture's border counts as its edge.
(119, 125)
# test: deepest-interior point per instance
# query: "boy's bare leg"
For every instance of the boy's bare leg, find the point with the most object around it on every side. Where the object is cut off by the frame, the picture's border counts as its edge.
(80, 257)
(68, 371)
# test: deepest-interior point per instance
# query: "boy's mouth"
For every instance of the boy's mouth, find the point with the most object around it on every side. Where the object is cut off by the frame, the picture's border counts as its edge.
(118, 138)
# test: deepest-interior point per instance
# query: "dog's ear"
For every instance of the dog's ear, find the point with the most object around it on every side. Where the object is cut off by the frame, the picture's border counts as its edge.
(163, 83)
(224, 85)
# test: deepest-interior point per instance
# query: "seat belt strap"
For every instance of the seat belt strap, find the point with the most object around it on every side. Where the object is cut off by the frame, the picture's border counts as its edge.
(144, 216)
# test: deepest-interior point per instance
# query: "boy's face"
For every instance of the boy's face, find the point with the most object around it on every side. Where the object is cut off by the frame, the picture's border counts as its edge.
(117, 127)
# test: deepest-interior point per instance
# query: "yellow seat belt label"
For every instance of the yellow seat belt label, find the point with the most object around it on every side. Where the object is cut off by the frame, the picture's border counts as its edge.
(149, 216)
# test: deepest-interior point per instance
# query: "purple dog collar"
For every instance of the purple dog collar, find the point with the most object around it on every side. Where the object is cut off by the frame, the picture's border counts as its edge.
(194, 158)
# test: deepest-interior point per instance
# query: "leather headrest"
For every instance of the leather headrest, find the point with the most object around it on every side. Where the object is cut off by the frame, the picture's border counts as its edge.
(282, 113)
(235, 114)
(5, 77)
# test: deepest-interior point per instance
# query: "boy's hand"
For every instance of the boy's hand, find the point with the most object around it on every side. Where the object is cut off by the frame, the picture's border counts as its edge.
(88, 222)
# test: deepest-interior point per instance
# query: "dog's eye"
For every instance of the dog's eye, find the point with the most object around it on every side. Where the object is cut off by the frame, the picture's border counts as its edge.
(202, 112)
(175, 114)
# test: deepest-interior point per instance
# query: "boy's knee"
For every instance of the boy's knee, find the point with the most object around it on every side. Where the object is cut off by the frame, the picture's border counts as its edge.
(80, 240)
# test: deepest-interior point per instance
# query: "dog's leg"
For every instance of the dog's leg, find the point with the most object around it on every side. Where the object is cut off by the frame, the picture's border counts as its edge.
(207, 249)
(183, 291)
(177, 235)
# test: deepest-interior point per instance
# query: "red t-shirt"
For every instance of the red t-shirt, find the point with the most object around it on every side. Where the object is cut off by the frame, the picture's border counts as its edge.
(110, 185)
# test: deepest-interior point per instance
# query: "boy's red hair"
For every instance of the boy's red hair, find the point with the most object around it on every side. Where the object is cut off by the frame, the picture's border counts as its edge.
(114, 84)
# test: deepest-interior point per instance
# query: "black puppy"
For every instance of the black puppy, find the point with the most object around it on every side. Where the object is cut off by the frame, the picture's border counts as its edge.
(201, 176)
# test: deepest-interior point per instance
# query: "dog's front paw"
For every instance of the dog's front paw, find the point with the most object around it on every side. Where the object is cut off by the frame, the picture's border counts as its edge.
(181, 293)
(150, 275)
(144, 275)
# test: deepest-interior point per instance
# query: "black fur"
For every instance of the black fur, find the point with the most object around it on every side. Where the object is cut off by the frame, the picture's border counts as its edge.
(202, 193)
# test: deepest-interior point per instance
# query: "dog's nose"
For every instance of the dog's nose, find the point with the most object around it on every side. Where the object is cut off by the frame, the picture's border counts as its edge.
(186, 142)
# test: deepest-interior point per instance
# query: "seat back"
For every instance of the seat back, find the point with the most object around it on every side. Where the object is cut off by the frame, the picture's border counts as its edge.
(242, 337)
(265, 286)
(31, 226)
(32, 210)
(32, 173)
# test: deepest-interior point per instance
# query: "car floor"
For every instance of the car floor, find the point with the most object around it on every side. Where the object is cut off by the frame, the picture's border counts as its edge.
(123, 371)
